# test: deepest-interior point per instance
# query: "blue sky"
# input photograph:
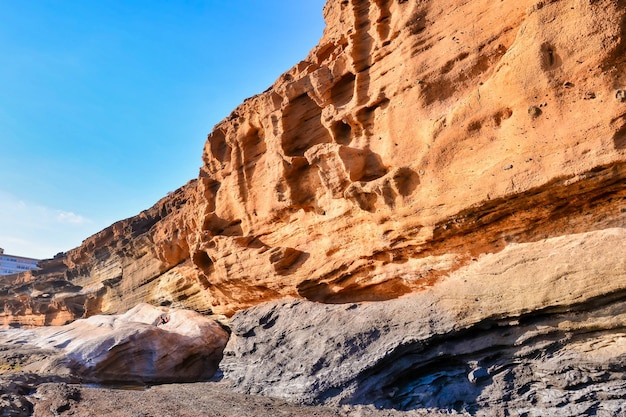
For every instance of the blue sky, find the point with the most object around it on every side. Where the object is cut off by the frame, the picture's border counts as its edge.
(105, 105)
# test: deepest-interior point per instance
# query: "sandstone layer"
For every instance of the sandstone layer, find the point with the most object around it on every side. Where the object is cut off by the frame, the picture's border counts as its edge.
(416, 136)
(537, 329)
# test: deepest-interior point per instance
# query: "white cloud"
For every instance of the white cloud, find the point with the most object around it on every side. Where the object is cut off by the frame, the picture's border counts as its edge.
(69, 217)
(37, 231)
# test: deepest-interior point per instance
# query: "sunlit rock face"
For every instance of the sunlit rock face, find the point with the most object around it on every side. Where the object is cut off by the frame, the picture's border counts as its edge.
(145, 345)
(527, 331)
(416, 137)
(428, 211)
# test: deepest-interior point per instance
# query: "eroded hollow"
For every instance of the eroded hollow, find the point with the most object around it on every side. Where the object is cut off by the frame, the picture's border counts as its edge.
(203, 261)
(342, 132)
(303, 182)
(220, 150)
(619, 139)
(303, 126)
(342, 92)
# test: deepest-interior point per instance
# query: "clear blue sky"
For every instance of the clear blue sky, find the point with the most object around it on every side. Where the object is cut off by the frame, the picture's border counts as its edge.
(105, 105)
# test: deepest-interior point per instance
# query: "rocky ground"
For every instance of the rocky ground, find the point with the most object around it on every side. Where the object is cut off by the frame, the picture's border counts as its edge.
(534, 330)
(27, 394)
(29, 386)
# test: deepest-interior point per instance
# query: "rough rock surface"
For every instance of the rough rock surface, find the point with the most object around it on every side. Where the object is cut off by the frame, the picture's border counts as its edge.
(527, 331)
(439, 191)
(180, 400)
(415, 136)
(37, 395)
(136, 347)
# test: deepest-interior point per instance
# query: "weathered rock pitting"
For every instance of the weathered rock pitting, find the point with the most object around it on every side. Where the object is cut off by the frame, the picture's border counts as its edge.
(433, 203)
(415, 137)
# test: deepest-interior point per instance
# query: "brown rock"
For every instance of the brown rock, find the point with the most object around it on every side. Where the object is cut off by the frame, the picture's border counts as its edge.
(375, 166)
(528, 330)
(54, 399)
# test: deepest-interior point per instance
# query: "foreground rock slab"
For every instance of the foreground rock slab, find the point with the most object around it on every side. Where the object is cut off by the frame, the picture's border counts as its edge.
(145, 345)
(537, 329)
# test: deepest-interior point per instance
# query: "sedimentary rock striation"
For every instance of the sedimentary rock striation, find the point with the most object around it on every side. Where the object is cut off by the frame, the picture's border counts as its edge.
(440, 187)
(415, 137)
(526, 331)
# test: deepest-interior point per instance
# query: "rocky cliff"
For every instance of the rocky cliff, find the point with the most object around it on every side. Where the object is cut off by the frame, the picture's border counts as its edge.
(453, 170)
(525, 331)
(416, 136)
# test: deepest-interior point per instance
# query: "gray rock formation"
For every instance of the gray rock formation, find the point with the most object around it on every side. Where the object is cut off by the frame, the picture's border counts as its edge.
(537, 329)
(146, 344)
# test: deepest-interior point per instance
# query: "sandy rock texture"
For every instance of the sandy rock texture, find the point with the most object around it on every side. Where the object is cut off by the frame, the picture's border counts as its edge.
(527, 331)
(415, 137)
(145, 345)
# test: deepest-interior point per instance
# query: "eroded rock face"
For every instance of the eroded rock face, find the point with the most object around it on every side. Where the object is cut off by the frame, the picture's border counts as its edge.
(145, 345)
(434, 199)
(415, 137)
(527, 331)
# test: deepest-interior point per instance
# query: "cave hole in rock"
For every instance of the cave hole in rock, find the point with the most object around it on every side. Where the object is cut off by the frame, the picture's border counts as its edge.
(341, 93)
(324, 52)
(550, 59)
(203, 261)
(223, 227)
(253, 144)
(372, 168)
(302, 126)
(209, 188)
(277, 100)
(254, 148)
(285, 260)
(303, 181)
(220, 150)
(619, 139)
(342, 132)
(364, 199)
(405, 180)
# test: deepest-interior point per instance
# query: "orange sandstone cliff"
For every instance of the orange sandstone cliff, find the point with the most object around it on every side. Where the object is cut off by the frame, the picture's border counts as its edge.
(416, 137)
